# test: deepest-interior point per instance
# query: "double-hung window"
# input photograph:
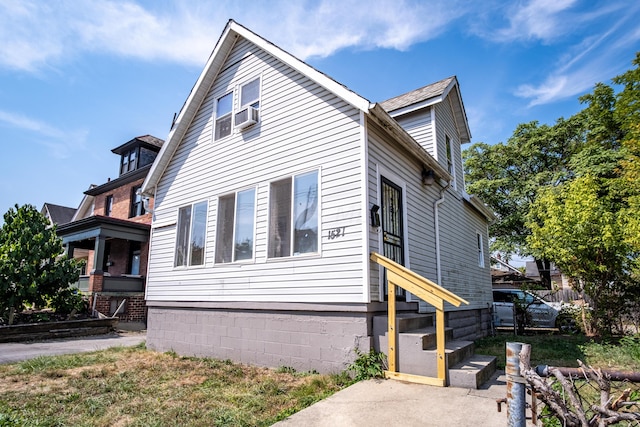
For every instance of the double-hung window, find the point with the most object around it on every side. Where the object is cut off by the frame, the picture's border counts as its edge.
(235, 227)
(293, 216)
(480, 250)
(192, 225)
(137, 203)
(224, 105)
(108, 205)
(450, 159)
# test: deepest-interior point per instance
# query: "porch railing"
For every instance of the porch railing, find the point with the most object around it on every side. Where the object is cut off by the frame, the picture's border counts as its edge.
(428, 291)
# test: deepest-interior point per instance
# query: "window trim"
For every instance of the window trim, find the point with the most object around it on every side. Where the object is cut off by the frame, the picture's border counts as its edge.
(451, 164)
(480, 249)
(257, 100)
(133, 211)
(108, 205)
(188, 254)
(233, 238)
(292, 254)
(127, 155)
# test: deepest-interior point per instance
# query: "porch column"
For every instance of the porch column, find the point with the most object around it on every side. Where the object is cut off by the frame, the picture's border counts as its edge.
(70, 248)
(96, 278)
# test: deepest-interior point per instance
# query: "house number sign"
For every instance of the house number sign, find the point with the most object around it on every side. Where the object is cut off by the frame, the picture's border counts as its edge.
(334, 233)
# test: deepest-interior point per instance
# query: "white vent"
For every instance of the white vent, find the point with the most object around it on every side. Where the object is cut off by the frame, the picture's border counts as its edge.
(246, 117)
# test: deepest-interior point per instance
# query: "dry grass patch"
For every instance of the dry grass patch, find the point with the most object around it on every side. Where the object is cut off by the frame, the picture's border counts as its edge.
(137, 387)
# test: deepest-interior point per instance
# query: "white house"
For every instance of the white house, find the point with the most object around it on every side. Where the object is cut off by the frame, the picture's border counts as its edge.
(273, 188)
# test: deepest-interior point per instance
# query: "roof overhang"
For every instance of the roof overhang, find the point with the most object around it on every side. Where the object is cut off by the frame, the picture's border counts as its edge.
(103, 227)
(134, 175)
(386, 122)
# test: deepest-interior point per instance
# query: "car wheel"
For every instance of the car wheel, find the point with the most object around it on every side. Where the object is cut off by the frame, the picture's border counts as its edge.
(566, 324)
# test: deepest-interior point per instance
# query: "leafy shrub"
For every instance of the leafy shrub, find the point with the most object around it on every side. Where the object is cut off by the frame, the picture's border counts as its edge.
(368, 365)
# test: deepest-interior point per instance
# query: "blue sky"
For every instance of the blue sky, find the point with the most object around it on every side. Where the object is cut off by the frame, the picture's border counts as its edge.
(80, 77)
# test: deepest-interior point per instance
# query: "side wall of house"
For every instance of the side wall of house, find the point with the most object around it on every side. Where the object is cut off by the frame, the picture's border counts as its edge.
(302, 127)
(403, 170)
(419, 125)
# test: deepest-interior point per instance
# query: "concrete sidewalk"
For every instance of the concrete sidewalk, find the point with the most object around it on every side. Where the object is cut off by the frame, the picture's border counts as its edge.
(393, 403)
(16, 352)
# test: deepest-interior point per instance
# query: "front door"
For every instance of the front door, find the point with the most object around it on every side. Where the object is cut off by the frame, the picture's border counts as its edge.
(392, 227)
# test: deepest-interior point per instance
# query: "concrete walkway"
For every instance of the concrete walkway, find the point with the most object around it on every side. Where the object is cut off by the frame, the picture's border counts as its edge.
(393, 403)
(16, 352)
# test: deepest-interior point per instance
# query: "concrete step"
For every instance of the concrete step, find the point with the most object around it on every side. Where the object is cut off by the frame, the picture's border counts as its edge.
(473, 372)
(404, 322)
(422, 338)
(414, 360)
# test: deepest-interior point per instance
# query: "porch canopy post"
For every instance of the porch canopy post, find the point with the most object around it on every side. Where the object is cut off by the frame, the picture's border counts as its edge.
(430, 292)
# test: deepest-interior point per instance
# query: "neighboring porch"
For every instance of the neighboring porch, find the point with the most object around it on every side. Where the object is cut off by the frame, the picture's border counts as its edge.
(115, 253)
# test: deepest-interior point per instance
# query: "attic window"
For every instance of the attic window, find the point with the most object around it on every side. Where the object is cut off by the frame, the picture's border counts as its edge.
(223, 116)
(250, 94)
(128, 161)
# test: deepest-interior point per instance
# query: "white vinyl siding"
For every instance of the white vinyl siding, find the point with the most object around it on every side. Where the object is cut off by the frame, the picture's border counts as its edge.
(446, 126)
(420, 244)
(458, 222)
(302, 127)
(419, 125)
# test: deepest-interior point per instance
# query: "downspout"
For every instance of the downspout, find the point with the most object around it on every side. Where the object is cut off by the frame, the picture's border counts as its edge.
(422, 306)
(436, 220)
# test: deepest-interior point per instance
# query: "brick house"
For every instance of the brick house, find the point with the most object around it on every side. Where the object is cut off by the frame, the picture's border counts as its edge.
(110, 231)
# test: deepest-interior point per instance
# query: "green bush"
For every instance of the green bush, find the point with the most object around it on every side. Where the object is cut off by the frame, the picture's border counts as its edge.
(368, 365)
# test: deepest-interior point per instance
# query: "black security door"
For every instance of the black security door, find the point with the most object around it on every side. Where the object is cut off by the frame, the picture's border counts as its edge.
(392, 226)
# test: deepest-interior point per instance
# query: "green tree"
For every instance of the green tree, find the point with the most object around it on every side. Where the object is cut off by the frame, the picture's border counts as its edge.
(575, 226)
(589, 225)
(32, 270)
(507, 177)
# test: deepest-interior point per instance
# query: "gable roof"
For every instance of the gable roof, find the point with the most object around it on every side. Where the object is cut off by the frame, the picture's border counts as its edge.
(430, 95)
(58, 214)
(230, 34)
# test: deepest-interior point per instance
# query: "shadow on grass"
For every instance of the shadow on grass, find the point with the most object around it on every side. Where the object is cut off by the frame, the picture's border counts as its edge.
(546, 349)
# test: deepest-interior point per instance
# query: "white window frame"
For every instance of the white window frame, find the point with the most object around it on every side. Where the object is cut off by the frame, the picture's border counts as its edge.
(291, 218)
(480, 249)
(235, 228)
(189, 255)
(451, 164)
(255, 103)
(216, 118)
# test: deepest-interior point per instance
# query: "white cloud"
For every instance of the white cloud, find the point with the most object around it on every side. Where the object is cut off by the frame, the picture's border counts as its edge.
(597, 57)
(61, 144)
(34, 35)
(538, 19)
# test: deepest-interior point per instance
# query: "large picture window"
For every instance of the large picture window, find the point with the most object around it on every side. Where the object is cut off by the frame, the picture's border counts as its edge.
(192, 222)
(224, 106)
(293, 216)
(235, 227)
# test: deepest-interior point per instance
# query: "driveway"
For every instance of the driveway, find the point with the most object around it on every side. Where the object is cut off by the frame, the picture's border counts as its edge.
(16, 352)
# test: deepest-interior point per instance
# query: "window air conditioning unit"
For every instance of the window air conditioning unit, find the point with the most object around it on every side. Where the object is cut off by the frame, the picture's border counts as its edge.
(246, 118)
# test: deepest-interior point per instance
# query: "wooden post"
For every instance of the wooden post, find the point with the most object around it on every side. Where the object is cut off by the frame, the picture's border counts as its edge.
(440, 345)
(391, 329)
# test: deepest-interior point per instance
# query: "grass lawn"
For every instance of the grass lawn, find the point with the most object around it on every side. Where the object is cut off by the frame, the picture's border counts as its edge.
(136, 387)
(565, 350)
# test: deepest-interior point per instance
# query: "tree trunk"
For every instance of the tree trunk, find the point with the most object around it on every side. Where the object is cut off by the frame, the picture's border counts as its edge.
(544, 270)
